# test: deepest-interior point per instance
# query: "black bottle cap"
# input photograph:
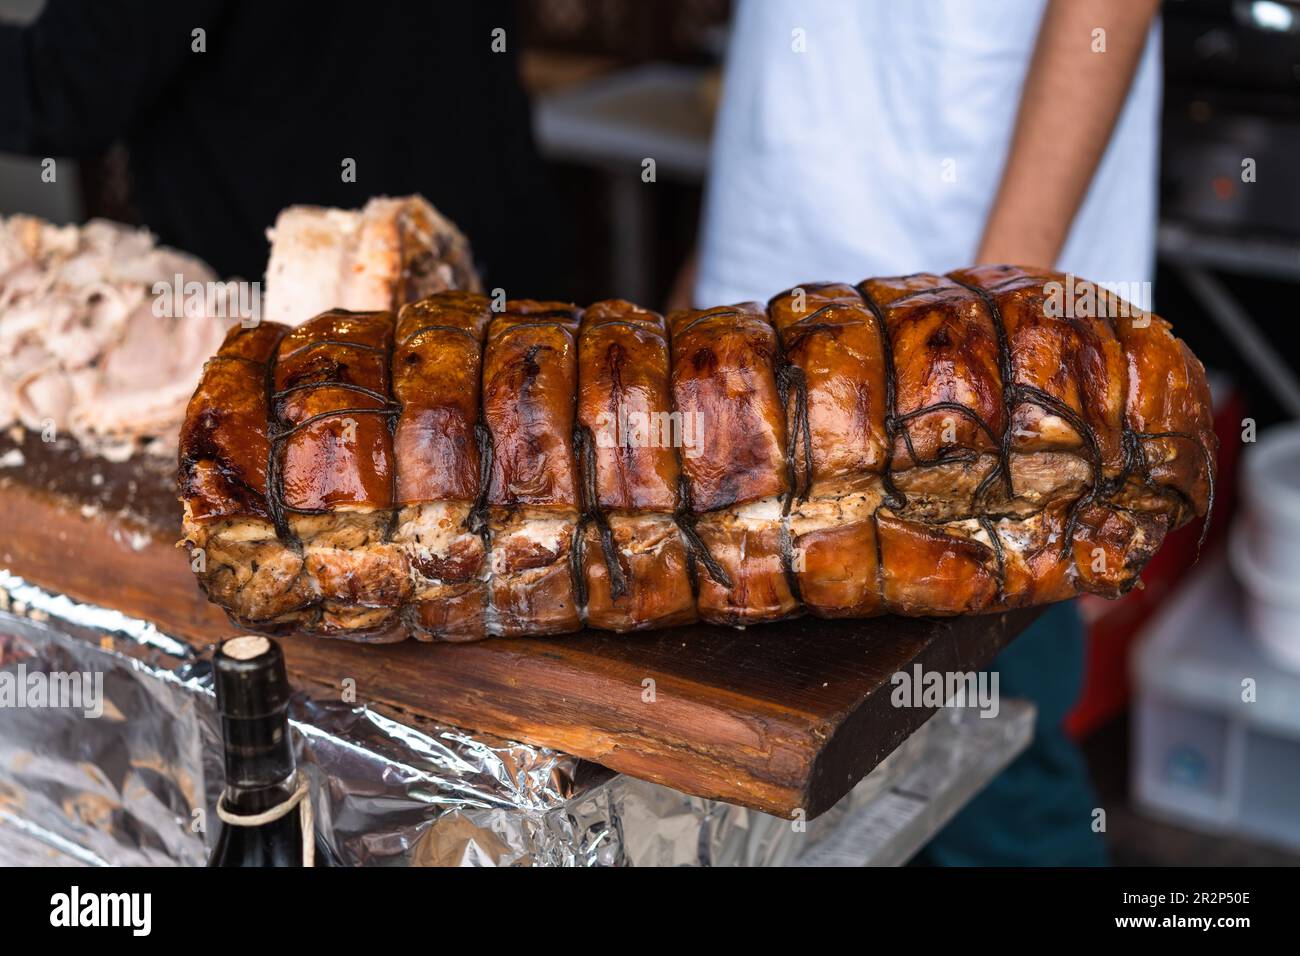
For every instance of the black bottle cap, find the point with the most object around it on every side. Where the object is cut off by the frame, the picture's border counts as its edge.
(253, 701)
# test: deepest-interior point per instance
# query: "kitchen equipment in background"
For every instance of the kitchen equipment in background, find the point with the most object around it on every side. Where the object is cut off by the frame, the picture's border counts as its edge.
(1229, 199)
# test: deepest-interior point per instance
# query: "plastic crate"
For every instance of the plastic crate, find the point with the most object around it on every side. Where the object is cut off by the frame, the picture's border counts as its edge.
(1203, 755)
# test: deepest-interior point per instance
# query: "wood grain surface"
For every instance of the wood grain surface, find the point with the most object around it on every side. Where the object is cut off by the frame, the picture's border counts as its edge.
(782, 717)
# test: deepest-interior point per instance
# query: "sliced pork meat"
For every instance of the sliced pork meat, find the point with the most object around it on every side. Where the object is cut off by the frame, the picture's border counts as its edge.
(83, 350)
(380, 257)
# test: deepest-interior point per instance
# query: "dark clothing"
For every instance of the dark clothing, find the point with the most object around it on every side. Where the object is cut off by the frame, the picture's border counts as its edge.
(1039, 811)
(221, 141)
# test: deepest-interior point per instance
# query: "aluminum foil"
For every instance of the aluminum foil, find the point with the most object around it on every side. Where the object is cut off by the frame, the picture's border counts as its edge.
(138, 784)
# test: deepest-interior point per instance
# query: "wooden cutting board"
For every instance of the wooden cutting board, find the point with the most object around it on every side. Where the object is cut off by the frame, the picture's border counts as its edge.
(784, 718)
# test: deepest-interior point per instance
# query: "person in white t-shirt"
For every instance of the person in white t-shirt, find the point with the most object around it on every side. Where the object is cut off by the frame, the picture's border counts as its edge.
(878, 138)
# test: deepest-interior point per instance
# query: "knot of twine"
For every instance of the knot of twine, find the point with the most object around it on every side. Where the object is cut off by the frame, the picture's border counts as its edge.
(300, 798)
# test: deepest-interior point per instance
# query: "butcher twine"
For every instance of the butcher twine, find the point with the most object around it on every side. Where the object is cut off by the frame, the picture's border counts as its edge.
(301, 797)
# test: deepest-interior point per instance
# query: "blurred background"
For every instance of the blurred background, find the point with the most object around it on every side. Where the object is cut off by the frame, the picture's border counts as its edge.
(1187, 773)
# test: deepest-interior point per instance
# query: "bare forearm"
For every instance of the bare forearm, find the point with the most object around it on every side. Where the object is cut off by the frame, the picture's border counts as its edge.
(1068, 108)
(682, 293)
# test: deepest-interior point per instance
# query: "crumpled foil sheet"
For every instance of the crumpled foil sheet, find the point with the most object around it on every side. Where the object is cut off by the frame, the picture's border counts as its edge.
(137, 785)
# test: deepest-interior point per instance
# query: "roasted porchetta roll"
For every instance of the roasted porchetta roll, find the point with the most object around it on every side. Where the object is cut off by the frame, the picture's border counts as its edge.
(921, 445)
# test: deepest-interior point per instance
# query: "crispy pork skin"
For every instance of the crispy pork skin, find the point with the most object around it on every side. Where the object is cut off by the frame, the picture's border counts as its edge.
(919, 445)
(634, 567)
(436, 370)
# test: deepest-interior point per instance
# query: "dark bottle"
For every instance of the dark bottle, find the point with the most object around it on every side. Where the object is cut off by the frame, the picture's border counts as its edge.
(253, 702)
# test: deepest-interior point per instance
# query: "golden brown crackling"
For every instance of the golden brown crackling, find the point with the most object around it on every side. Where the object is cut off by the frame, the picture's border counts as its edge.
(1111, 546)
(751, 554)
(834, 341)
(837, 573)
(934, 569)
(1074, 358)
(944, 352)
(653, 561)
(436, 374)
(1168, 393)
(632, 560)
(625, 404)
(724, 379)
(935, 547)
(331, 379)
(224, 443)
(530, 377)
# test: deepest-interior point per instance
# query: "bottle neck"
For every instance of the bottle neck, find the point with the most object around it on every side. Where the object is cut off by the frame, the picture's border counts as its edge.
(260, 767)
(247, 801)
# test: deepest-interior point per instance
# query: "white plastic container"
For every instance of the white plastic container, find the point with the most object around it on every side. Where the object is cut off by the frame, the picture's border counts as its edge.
(1265, 542)
(1272, 608)
(1216, 731)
